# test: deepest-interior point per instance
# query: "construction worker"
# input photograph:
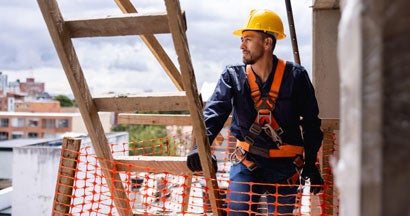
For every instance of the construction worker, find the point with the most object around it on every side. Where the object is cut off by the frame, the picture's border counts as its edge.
(274, 118)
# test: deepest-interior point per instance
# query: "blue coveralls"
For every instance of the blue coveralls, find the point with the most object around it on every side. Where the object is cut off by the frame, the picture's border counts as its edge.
(295, 106)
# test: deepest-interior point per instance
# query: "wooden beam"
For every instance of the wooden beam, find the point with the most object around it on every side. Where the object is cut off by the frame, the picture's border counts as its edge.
(195, 104)
(69, 60)
(119, 25)
(170, 164)
(155, 47)
(132, 103)
(158, 119)
(70, 150)
(154, 119)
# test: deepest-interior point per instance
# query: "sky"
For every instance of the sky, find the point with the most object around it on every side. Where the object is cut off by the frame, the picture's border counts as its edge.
(124, 64)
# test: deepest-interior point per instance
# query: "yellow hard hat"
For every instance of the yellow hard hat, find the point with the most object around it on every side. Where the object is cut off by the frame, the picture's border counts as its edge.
(263, 20)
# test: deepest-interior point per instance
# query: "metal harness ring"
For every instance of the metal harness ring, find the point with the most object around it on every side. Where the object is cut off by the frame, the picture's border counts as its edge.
(234, 160)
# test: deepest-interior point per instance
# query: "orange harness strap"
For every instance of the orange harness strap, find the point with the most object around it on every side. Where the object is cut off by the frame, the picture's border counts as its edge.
(264, 105)
(285, 150)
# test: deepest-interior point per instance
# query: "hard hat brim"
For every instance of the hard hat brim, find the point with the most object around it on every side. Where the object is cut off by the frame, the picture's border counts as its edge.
(239, 33)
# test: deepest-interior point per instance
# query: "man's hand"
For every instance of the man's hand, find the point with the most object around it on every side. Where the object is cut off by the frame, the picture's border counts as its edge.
(194, 163)
(310, 171)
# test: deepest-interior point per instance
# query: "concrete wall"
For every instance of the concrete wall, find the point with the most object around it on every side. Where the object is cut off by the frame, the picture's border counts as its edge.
(325, 72)
(374, 55)
(6, 158)
(35, 176)
(34, 179)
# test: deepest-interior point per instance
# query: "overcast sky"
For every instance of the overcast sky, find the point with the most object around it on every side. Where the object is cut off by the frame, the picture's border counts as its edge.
(124, 64)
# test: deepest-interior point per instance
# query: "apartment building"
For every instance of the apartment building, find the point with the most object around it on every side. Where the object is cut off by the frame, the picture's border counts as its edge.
(17, 125)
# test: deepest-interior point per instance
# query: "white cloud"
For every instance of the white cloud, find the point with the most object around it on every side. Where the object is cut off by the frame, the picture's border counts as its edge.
(124, 64)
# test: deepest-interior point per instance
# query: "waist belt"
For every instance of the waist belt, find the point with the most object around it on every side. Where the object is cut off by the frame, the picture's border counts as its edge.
(285, 150)
(239, 156)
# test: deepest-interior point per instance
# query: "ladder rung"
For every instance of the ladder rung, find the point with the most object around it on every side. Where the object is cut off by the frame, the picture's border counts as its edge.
(147, 102)
(171, 164)
(119, 25)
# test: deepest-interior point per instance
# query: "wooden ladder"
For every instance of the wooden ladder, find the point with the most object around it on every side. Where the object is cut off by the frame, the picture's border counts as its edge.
(187, 98)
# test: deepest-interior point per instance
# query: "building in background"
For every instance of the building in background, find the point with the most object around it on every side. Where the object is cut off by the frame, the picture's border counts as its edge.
(20, 125)
(32, 166)
(3, 83)
(32, 88)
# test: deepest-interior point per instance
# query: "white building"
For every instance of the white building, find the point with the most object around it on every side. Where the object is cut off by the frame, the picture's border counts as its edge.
(34, 167)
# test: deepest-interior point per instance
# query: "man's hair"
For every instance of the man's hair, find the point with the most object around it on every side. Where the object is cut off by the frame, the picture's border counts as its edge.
(265, 35)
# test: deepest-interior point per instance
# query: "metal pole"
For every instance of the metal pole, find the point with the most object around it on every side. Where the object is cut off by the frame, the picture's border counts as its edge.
(292, 32)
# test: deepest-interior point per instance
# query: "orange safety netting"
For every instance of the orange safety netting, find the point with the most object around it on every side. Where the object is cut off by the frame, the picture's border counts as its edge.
(153, 191)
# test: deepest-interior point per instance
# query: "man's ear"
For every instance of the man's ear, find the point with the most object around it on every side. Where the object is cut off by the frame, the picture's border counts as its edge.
(267, 42)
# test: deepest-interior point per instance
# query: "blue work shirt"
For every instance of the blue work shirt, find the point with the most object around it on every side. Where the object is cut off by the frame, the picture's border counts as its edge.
(296, 110)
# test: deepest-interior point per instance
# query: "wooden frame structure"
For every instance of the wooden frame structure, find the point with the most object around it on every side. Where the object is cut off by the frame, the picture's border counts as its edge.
(131, 23)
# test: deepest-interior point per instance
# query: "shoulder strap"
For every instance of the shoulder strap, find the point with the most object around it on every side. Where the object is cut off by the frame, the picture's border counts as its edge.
(274, 90)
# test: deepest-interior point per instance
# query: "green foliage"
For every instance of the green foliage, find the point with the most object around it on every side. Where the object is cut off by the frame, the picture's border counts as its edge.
(150, 139)
(140, 137)
(65, 101)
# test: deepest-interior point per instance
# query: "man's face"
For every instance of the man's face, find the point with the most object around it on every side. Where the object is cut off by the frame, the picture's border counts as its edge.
(251, 46)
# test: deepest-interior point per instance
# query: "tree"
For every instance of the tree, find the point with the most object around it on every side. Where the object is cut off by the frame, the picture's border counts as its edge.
(64, 101)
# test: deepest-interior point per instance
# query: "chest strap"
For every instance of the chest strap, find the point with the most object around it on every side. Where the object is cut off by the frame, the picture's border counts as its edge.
(264, 106)
(265, 120)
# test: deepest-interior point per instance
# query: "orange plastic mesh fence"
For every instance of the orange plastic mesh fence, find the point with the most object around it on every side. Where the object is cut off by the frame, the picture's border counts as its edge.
(155, 191)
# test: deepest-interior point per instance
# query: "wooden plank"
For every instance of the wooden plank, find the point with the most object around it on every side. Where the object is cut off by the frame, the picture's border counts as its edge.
(195, 104)
(155, 47)
(154, 119)
(119, 25)
(70, 151)
(89, 112)
(170, 164)
(132, 103)
(187, 191)
(158, 119)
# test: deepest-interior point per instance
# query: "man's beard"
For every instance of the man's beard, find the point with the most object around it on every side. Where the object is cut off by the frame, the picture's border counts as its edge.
(249, 61)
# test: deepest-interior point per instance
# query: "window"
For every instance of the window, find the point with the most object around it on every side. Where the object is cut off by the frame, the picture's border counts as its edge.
(34, 122)
(4, 136)
(49, 123)
(17, 122)
(4, 122)
(62, 123)
(32, 135)
(16, 135)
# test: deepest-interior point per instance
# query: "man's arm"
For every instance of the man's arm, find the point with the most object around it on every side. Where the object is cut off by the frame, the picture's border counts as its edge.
(312, 134)
(216, 112)
(219, 106)
(310, 121)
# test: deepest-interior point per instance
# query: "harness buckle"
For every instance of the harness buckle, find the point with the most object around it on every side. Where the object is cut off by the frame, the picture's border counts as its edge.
(255, 129)
(273, 134)
(249, 140)
(233, 157)
(279, 131)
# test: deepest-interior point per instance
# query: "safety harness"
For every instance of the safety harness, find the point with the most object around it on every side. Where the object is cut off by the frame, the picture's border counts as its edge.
(266, 121)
